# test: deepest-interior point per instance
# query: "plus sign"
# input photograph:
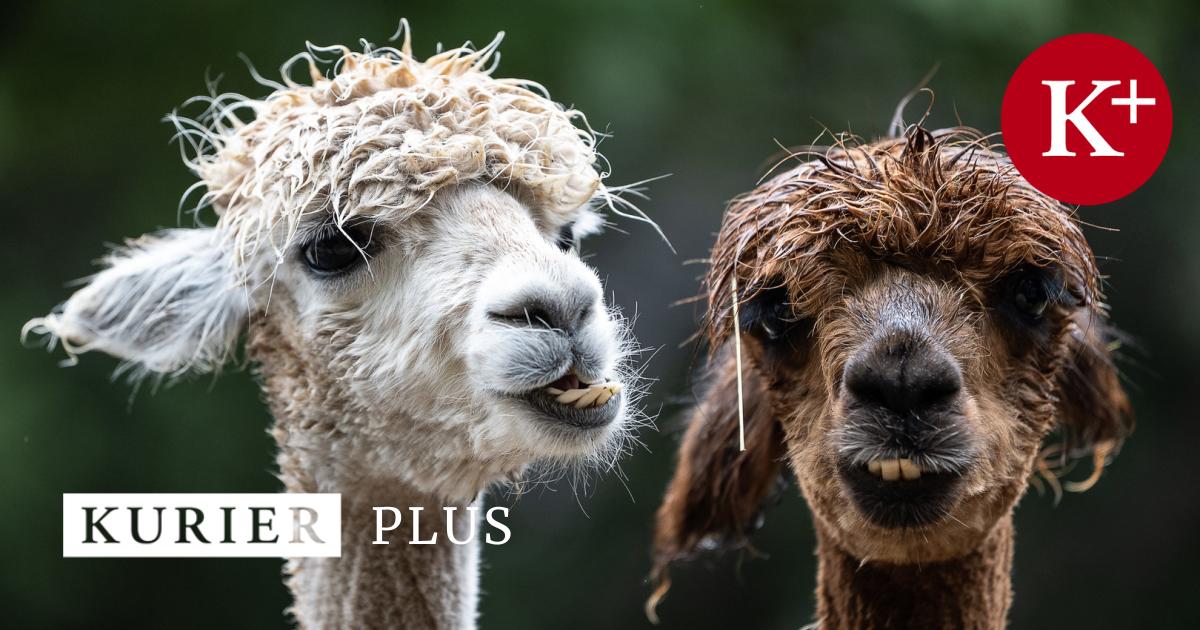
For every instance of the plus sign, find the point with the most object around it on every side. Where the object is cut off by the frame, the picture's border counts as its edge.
(1132, 101)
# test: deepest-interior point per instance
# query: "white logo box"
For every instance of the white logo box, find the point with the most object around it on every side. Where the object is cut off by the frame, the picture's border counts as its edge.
(234, 525)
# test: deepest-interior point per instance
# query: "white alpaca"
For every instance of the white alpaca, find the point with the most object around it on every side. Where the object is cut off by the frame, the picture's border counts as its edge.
(398, 242)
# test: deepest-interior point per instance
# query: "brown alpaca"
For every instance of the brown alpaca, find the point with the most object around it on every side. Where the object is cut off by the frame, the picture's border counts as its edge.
(916, 320)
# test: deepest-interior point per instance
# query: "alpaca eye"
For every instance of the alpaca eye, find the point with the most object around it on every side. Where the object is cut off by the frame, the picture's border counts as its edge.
(769, 315)
(1030, 297)
(335, 251)
(566, 238)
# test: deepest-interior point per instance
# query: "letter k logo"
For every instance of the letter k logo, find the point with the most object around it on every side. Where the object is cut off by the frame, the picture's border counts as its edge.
(1059, 119)
(1064, 123)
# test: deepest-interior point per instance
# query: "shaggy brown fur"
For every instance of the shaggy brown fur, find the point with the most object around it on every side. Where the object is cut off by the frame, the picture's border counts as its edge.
(937, 225)
(972, 592)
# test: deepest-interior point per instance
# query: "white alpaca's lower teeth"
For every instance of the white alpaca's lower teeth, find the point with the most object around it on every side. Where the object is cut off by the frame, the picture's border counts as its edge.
(595, 395)
(894, 469)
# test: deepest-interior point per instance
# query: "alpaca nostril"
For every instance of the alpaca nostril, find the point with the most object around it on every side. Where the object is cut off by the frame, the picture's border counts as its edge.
(533, 316)
(911, 380)
(565, 311)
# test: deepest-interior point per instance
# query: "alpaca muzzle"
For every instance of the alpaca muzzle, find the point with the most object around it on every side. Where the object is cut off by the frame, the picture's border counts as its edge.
(904, 444)
(558, 346)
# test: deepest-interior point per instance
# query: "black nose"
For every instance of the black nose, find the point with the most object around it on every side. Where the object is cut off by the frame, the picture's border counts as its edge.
(902, 373)
(565, 309)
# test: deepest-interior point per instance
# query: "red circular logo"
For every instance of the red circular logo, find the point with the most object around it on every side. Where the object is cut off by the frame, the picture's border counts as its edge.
(1086, 119)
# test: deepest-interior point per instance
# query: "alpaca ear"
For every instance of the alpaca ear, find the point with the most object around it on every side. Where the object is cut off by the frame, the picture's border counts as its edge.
(166, 303)
(1093, 409)
(716, 496)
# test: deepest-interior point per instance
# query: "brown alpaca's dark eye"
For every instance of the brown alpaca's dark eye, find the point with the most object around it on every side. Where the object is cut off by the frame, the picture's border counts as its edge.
(769, 315)
(1030, 296)
(336, 251)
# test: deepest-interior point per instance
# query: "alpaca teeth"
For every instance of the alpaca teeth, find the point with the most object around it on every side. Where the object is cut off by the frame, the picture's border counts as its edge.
(597, 395)
(894, 469)
(590, 397)
(570, 396)
(890, 469)
(607, 391)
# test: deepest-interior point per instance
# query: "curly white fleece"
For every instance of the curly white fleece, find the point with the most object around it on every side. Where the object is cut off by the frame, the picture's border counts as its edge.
(382, 134)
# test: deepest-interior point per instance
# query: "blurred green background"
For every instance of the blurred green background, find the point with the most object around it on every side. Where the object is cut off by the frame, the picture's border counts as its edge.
(701, 90)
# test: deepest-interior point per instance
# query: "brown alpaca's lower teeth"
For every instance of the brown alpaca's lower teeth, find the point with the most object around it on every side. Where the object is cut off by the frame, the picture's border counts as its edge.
(894, 469)
(594, 395)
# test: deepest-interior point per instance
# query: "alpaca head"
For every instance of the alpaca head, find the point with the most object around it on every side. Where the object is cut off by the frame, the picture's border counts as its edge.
(399, 241)
(915, 319)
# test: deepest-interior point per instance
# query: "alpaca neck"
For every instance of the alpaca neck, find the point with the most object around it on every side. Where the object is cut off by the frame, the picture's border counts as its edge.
(973, 591)
(398, 585)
